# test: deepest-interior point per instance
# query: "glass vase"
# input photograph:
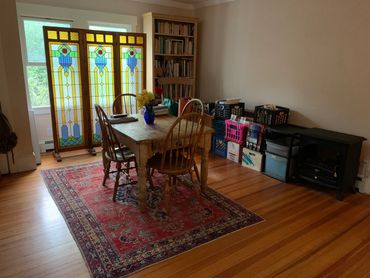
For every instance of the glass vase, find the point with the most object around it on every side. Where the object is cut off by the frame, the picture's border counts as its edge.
(149, 115)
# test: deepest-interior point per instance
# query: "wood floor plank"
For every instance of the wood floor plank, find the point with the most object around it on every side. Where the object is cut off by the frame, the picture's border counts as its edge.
(355, 241)
(306, 231)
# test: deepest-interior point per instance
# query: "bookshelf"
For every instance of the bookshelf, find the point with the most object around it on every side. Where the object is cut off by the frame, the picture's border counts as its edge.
(171, 52)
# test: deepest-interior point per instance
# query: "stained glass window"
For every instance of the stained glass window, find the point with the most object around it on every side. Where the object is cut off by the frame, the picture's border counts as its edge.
(76, 125)
(66, 83)
(132, 77)
(101, 82)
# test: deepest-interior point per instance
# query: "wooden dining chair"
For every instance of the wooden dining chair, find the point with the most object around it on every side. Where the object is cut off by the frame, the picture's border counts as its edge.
(194, 105)
(175, 88)
(125, 104)
(114, 151)
(177, 152)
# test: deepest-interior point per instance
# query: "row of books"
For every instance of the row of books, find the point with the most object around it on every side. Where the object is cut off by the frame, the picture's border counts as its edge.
(173, 46)
(176, 91)
(170, 28)
(171, 68)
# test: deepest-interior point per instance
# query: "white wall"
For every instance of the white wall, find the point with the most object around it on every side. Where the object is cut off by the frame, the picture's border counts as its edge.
(12, 91)
(309, 55)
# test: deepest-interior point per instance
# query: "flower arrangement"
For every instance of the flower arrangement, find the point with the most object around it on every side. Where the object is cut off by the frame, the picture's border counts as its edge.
(145, 99)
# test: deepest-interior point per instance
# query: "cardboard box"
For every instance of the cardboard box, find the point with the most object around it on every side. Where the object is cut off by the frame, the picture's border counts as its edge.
(252, 159)
(234, 152)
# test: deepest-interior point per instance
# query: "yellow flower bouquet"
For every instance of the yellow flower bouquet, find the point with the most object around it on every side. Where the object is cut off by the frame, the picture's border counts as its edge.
(145, 99)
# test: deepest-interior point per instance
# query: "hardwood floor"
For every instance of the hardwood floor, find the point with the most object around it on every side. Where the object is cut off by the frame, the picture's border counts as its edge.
(307, 232)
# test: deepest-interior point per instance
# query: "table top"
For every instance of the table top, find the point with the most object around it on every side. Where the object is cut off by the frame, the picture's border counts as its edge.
(139, 131)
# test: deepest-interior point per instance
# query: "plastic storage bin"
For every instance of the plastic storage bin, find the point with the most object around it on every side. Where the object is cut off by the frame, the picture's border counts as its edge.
(254, 136)
(236, 132)
(252, 159)
(219, 145)
(219, 127)
(276, 166)
(224, 111)
(271, 117)
(281, 147)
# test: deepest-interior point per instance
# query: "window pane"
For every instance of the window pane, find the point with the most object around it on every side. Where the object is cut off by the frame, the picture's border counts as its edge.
(35, 39)
(107, 28)
(38, 88)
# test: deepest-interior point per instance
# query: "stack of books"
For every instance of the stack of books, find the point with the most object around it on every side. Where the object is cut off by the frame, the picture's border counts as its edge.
(160, 110)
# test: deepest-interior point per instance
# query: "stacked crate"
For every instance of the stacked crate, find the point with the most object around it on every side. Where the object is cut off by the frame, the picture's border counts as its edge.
(223, 112)
(276, 164)
(251, 156)
(219, 144)
(236, 133)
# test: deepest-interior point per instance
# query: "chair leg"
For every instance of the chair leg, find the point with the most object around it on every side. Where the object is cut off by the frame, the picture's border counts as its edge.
(105, 161)
(149, 177)
(106, 172)
(167, 195)
(126, 171)
(117, 181)
(135, 165)
(196, 171)
(191, 175)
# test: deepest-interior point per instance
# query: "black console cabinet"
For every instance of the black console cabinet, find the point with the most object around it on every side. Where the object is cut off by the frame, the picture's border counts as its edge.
(329, 159)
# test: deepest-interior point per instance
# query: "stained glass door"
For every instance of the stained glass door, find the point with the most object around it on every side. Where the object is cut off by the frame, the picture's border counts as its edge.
(132, 63)
(100, 57)
(85, 68)
(63, 53)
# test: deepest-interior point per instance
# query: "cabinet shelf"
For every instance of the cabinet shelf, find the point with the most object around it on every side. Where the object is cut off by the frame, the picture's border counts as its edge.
(318, 182)
(180, 79)
(172, 35)
(174, 55)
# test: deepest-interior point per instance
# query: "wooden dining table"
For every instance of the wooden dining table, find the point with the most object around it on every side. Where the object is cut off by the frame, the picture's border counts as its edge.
(144, 140)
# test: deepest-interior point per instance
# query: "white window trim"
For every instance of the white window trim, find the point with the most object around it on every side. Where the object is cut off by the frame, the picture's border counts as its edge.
(38, 110)
(23, 35)
(77, 18)
(80, 18)
(128, 27)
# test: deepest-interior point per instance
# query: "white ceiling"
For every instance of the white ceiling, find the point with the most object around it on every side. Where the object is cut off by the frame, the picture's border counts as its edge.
(190, 1)
(184, 4)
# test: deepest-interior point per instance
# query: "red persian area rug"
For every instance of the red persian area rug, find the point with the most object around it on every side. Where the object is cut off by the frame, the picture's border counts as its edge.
(117, 239)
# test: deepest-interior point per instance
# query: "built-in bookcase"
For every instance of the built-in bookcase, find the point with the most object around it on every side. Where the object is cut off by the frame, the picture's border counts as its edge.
(171, 50)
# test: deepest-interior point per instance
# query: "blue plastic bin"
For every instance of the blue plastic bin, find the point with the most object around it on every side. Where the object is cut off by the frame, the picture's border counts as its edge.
(219, 145)
(219, 127)
(276, 166)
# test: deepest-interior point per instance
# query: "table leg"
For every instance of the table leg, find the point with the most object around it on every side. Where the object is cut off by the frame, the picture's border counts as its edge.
(204, 163)
(142, 158)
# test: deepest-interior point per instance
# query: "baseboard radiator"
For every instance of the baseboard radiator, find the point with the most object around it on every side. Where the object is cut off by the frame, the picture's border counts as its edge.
(47, 145)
